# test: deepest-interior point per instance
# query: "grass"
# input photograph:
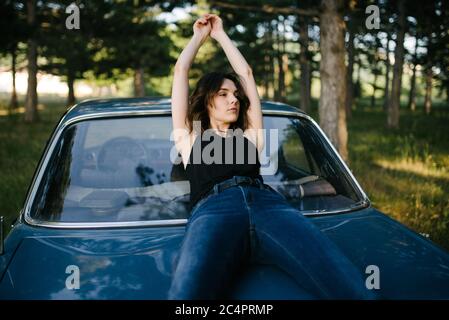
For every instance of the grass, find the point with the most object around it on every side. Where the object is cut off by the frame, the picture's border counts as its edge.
(405, 172)
(21, 146)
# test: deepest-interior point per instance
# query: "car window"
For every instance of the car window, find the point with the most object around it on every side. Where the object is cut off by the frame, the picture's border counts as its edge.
(127, 169)
(294, 152)
(305, 158)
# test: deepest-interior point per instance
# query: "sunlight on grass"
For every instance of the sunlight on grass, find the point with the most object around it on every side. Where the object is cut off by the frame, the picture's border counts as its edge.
(5, 112)
(415, 167)
(404, 172)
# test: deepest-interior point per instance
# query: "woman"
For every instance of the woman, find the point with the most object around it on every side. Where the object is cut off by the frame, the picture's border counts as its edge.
(235, 217)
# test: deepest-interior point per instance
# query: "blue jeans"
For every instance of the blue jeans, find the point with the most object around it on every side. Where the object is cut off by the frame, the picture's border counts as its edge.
(244, 222)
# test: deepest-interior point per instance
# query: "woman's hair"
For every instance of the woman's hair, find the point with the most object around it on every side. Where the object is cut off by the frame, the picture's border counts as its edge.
(206, 88)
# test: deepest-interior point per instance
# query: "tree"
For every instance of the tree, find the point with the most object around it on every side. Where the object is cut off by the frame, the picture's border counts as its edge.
(31, 114)
(130, 39)
(333, 75)
(393, 110)
(387, 74)
(355, 26)
(430, 29)
(12, 34)
(349, 75)
(412, 93)
(303, 22)
(280, 93)
(372, 52)
(304, 57)
(441, 59)
(431, 24)
(68, 52)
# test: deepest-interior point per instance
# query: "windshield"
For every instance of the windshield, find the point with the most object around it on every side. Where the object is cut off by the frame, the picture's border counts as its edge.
(122, 169)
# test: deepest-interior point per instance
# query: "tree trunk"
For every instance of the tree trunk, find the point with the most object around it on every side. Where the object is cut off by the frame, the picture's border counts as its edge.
(387, 75)
(285, 71)
(281, 74)
(332, 111)
(428, 97)
(13, 103)
(139, 83)
(304, 84)
(71, 85)
(31, 98)
(275, 64)
(349, 77)
(412, 94)
(284, 64)
(447, 94)
(358, 92)
(273, 88)
(393, 111)
(271, 64)
(266, 60)
(373, 97)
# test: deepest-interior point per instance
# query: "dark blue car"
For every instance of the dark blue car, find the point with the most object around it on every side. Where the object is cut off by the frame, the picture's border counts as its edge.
(106, 212)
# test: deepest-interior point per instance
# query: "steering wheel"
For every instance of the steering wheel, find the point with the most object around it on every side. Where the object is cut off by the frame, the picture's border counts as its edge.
(120, 152)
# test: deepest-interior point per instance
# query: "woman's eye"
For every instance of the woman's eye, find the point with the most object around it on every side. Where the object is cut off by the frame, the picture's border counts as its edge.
(224, 94)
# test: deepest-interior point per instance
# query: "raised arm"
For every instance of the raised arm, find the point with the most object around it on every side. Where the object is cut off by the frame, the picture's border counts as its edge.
(242, 68)
(180, 87)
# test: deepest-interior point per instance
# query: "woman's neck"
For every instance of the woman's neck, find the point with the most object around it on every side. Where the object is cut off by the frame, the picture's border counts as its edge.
(221, 129)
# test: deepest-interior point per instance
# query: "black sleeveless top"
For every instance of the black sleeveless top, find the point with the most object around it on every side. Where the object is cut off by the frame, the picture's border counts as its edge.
(214, 159)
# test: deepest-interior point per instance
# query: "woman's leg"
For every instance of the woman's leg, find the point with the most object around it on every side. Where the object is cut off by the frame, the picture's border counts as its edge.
(288, 239)
(214, 245)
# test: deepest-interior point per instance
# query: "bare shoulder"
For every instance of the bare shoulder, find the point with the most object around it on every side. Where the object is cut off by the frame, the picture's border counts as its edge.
(251, 135)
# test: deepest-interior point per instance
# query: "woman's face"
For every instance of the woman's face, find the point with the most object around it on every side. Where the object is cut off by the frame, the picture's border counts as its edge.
(225, 105)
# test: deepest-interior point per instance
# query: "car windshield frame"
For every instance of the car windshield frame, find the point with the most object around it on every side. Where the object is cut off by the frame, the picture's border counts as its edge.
(64, 124)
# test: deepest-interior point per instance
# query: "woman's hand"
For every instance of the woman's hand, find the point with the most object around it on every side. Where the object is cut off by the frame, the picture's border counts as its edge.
(217, 25)
(202, 28)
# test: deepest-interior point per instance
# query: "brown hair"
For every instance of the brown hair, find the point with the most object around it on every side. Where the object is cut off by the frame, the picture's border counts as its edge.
(206, 88)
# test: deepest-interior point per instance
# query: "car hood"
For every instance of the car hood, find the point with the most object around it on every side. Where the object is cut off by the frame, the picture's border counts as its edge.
(137, 263)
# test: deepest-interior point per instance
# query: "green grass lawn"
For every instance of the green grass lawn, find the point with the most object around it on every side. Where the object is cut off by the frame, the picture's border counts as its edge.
(405, 172)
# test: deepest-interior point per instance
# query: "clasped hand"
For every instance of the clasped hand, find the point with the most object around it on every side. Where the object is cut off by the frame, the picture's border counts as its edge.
(208, 25)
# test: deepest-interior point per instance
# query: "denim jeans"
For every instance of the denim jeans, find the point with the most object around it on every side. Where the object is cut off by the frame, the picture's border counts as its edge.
(257, 224)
